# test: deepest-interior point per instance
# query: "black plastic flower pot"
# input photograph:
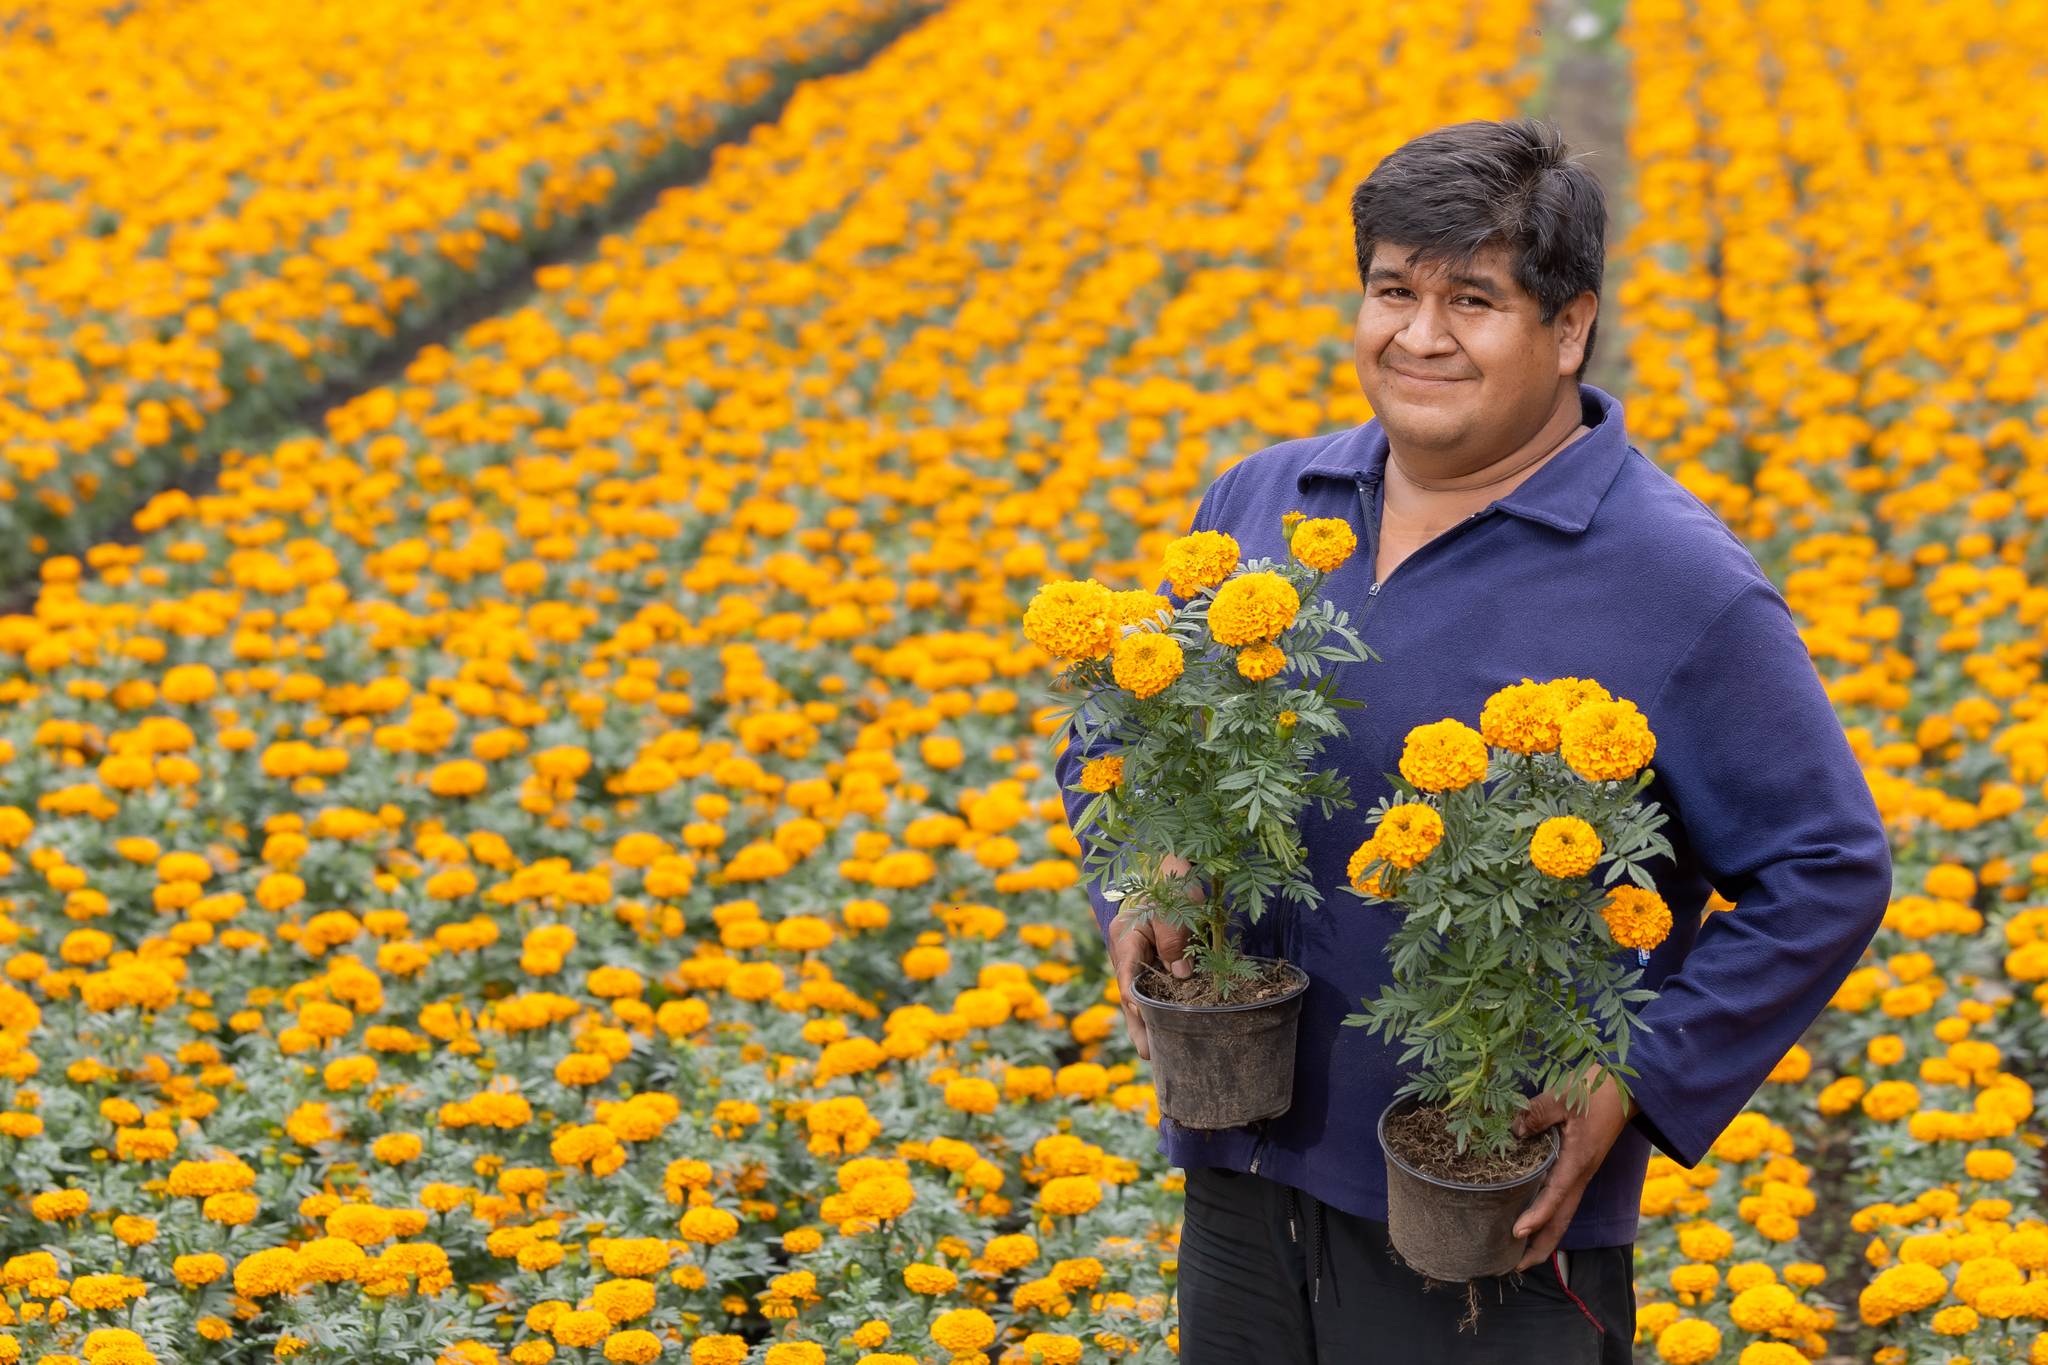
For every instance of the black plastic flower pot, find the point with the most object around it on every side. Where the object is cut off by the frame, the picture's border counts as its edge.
(1452, 1231)
(1222, 1066)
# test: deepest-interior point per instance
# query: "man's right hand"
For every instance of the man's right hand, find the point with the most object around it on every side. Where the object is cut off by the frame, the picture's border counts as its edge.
(1139, 941)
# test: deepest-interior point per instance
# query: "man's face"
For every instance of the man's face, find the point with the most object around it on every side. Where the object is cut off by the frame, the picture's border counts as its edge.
(1456, 361)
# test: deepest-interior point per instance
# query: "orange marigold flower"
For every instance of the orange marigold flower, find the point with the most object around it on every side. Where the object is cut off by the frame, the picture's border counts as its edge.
(1564, 846)
(1260, 661)
(1323, 543)
(1102, 774)
(1072, 620)
(1606, 741)
(1443, 756)
(1523, 717)
(1252, 608)
(1636, 917)
(1147, 662)
(1200, 560)
(1408, 833)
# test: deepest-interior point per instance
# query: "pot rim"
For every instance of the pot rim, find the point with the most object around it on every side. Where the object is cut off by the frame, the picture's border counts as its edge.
(1407, 1102)
(1270, 1002)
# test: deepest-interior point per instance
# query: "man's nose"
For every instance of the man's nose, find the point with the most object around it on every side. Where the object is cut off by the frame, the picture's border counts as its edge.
(1426, 332)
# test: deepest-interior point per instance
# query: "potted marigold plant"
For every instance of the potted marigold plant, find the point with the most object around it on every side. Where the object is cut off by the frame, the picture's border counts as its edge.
(1204, 721)
(1515, 855)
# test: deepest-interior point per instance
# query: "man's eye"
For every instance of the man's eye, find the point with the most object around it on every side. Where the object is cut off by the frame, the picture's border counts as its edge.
(1474, 298)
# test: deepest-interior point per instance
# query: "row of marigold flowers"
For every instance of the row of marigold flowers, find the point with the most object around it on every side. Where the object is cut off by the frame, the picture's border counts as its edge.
(1826, 346)
(563, 864)
(216, 208)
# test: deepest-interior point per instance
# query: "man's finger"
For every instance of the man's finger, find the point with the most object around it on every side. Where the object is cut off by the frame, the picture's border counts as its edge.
(1172, 943)
(1134, 1025)
(1544, 1112)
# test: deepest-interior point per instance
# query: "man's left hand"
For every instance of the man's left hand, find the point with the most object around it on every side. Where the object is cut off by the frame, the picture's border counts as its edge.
(1587, 1138)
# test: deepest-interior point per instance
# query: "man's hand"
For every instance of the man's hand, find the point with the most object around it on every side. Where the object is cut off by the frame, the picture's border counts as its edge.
(1137, 941)
(1587, 1138)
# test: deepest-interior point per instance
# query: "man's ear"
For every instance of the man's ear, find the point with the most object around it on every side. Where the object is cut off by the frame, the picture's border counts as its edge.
(1574, 324)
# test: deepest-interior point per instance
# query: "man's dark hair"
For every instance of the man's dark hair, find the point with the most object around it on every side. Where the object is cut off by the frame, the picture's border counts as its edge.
(1451, 193)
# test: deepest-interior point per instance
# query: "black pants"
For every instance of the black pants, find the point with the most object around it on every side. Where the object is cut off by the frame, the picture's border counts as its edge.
(1273, 1276)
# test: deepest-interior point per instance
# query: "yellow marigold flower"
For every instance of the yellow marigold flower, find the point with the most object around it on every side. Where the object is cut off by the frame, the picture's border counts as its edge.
(1524, 717)
(1564, 846)
(1147, 662)
(1444, 756)
(1956, 1320)
(1694, 1278)
(120, 1346)
(1363, 857)
(1072, 620)
(1013, 1251)
(275, 1270)
(1051, 1348)
(1258, 662)
(458, 777)
(1606, 741)
(580, 1327)
(1904, 1288)
(1795, 1066)
(1989, 1163)
(1705, 1242)
(199, 1269)
(707, 1225)
(1765, 1308)
(1689, 1341)
(1771, 1353)
(1135, 606)
(1889, 1101)
(632, 1347)
(963, 1331)
(395, 1149)
(718, 1350)
(1252, 608)
(1636, 916)
(1070, 1194)
(92, 1292)
(133, 1230)
(971, 1095)
(623, 1300)
(1408, 833)
(1323, 543)
(1200, 560)
(922, 1278)
(54, 1206)
(1102, 774)
(1572, 693)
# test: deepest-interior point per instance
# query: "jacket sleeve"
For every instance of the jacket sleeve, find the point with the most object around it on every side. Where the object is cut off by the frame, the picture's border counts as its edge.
(1780, 816)
(1067, 766)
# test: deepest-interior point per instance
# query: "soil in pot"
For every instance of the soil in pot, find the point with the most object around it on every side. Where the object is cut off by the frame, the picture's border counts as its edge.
(1457, 1226)
(1222, 1063)
(1423, 1139)
(1275, 979)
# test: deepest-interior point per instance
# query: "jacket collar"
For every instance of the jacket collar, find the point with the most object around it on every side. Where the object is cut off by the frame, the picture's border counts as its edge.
(1563, 494)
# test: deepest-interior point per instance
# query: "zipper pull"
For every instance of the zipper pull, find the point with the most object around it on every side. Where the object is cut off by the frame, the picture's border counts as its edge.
(1290, 1229)
(1373, 591)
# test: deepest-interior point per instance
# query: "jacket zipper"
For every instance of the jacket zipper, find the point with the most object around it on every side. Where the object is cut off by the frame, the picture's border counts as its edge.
(1369, 522)
(1369, 516)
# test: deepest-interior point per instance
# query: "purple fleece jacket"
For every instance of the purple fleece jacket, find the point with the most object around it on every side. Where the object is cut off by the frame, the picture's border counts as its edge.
(1600, 566)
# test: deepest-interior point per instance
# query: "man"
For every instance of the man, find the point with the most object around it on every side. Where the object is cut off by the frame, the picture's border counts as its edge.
(1507, 529)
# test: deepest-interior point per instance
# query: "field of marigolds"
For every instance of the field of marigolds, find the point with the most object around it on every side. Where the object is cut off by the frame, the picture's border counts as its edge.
(558, 860)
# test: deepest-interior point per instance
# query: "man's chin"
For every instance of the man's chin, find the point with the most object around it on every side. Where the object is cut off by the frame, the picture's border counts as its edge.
(1422, 426)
